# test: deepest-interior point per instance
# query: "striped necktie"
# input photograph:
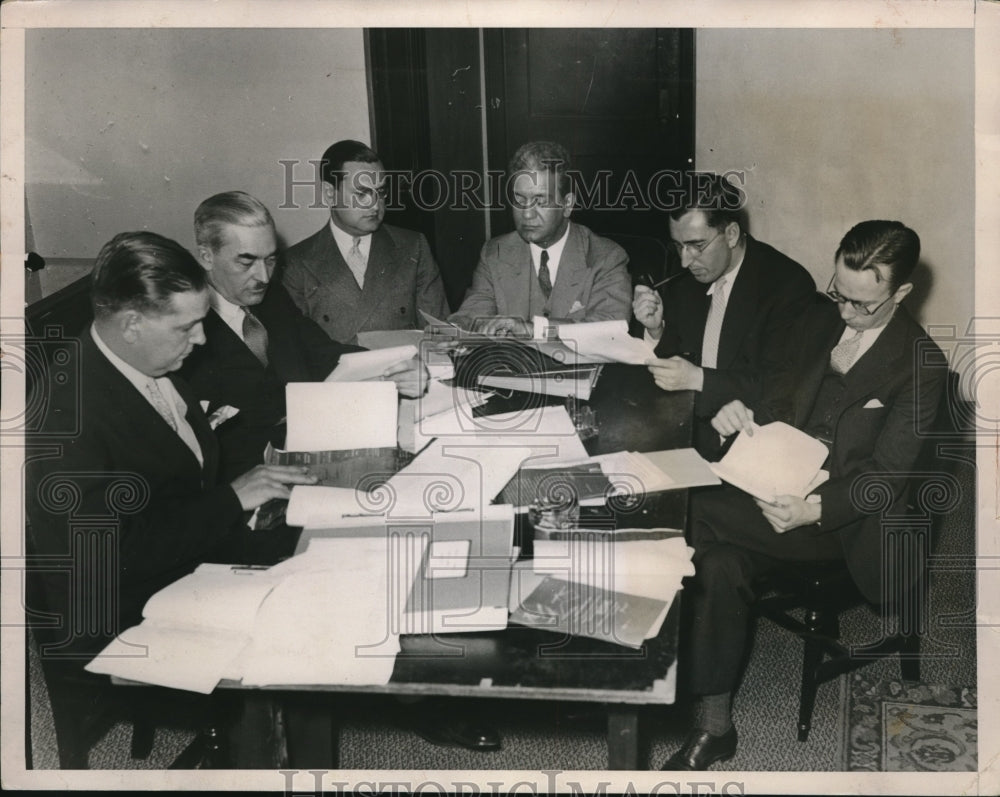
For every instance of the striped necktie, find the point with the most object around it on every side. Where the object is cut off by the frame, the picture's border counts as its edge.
(255, 335)
(544, 280)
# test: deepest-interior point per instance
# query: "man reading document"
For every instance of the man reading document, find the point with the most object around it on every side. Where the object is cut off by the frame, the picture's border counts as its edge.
(863, 392)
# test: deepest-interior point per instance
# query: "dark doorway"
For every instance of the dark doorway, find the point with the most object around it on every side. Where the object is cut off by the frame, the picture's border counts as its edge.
(621, 100)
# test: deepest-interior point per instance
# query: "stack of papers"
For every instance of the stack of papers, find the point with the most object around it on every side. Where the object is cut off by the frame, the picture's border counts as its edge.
(330, 615)
(608, 339)
(614, 590)
(777, 459)
(192, 631)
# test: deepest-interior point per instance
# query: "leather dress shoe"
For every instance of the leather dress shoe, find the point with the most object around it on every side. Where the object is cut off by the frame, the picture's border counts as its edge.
(458, 733)
(700, 750)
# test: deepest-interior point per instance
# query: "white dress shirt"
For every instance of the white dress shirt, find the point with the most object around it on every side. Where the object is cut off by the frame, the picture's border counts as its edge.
(730, 281)
(555, 255)
(345, 243)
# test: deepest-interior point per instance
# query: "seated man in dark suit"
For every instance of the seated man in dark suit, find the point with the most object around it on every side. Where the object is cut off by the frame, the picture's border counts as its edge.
(143, 462)
(861, 389)
(725, 342)
(358, 274)
(257, 341)
(549, 266)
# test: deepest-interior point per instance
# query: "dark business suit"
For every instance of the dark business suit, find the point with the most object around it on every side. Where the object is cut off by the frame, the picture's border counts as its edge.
(401, 279)
(591, 284)
(770, 293)
(871, 416)
(224, 371)
(122, 508)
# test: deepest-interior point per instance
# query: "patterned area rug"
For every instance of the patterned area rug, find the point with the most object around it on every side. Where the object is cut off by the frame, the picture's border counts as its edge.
(900, 726)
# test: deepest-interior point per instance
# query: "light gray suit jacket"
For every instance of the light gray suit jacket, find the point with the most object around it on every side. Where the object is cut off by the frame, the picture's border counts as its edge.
(592, 282)
(402, 278)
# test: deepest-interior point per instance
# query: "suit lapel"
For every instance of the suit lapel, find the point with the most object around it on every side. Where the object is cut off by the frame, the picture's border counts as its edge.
(741, 308)
(378, 275)
(572, 270)
(515, 275)
(811, 378)
(329, 268)
(878, 364)
(150, 428)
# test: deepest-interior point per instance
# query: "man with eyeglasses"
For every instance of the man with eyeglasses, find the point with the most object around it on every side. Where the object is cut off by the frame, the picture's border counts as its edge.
(868, 381)
(730, 339)
(357, 274)
(549, 267)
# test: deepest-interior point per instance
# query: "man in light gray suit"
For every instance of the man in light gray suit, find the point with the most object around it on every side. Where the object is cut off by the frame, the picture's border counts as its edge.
(549, 267)
(357, 274)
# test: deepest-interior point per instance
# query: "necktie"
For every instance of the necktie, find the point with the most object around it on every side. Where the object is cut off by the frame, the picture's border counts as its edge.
(160, 403)
(544, 280)
(254, 335)
(842, 355)
(713, 325)
(356, 262)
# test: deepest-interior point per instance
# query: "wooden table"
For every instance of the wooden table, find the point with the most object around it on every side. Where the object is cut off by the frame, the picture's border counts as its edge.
(524, 663)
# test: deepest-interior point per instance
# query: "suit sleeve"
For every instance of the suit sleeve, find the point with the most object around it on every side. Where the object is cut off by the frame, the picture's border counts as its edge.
(896, 449)
(430, 288)
(772, 373)
(321, 352)
(481, 299)
(611, 294)
(154, 534)
(295, 278)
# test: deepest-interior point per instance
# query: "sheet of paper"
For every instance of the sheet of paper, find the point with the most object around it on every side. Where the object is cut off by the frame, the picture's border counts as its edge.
(360, 366)
(777, 459)
(334, 617)
(390, 338)
(180, 658)
(650, 568)
(340, 415)
(314, 506)
(215, 596)
(608, 339)
(446, 477)
(684, 466)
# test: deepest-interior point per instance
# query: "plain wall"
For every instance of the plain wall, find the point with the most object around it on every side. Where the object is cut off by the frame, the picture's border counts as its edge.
(833, 127)
(130, 129)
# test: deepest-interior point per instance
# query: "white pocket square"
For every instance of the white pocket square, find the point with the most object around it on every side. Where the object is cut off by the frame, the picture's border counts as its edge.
(576, 308)
(874, 404)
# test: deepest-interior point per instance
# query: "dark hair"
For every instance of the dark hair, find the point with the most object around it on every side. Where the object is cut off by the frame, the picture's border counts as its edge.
(713, 195)
(881, 243)
(222, 210)
(331, 168)
(142, 271)
(543, 156)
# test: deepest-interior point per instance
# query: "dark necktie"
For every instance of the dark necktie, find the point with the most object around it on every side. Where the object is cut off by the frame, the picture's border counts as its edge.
(544, 280)
(254, 335)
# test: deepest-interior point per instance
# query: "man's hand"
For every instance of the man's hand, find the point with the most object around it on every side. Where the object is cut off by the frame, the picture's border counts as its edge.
(732, 418)
(504, 327)
(788, 512)
(260, 485)
(676, 373)
(647, 307)
(411, 377)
